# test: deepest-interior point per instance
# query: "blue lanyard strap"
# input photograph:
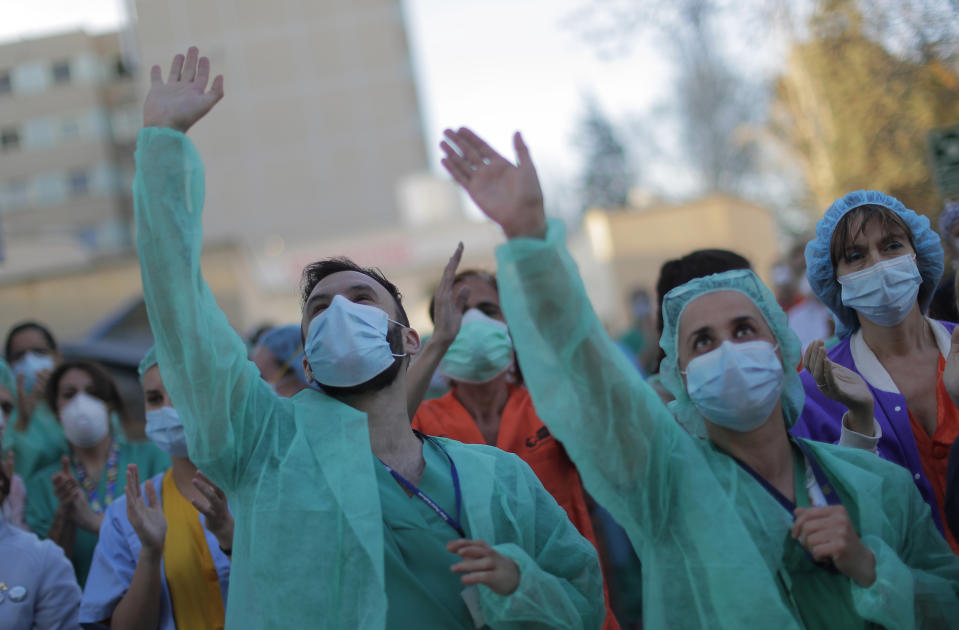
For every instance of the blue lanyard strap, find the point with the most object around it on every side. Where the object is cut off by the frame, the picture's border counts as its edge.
(422, 496)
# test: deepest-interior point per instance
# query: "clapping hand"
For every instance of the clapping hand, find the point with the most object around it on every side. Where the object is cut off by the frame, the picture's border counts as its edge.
(146, 517)
(183, 99)
(842, 385)
(448, 304)
(827, 533)
(508, 194)
(218, 518)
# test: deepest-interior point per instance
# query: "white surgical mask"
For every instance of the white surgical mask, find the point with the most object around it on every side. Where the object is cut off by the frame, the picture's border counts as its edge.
(166, 431)
(31, 364)
(85, 420)
(346, 344)
(481, 351)
(885, 292)
(737, 385)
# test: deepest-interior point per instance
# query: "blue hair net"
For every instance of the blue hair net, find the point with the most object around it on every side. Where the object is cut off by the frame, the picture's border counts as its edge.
(286, 344)
(148, 361)
(7, 378)
(748, 283)
(822, 275)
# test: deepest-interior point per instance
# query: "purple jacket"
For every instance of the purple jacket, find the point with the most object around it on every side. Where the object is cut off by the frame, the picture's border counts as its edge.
(821, 420)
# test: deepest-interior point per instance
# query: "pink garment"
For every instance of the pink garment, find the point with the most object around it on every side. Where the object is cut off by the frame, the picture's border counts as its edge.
(14, 506)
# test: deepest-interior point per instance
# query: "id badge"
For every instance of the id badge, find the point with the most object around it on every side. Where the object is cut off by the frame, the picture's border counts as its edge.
(471, 596)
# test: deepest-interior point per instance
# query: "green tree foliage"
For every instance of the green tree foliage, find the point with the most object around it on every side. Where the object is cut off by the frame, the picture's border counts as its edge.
(856, 113)
(608, 173)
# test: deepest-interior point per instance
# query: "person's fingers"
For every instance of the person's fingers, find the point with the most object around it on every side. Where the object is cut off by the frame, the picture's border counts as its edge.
(156, 75)
(824, 551)
(215, 488)
(217, 89)
(473, 550)
(132, 488)
(478, 564)
(522, 151)
(65, 465)
(202, 73)
(175, 68)
(136, 476)
(188, 73)
(452, 153)
(453, 545)
(478, 577)
(478, 145)
(460, 174)
(206, 490)
(203, 507)
(449, 273)
(152, 499)
(469, 150)
(21, 390)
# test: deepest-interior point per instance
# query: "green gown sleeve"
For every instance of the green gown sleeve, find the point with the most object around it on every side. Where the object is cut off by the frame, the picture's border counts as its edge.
(226, 407)
(561, 584)
(622, 438)
(918, 587)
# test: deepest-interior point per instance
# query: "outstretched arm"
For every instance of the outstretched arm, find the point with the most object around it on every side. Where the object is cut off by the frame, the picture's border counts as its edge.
(623, 440)
(447, 315)
(224, 405)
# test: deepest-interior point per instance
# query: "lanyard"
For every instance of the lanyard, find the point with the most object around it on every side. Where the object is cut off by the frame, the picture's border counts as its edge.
(422, 496)
(90, 485)
(832, 497)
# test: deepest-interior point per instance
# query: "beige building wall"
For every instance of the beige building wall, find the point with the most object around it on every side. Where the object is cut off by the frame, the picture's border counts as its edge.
(320, 120)
(66, 139)
(632, 246)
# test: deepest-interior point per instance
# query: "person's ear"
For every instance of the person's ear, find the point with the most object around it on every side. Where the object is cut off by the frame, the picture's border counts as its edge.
(411, 342)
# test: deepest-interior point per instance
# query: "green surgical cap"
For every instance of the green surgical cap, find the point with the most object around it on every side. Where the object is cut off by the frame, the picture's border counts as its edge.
(822, 275)
(749, 284)
(148, 361)
(7, 379)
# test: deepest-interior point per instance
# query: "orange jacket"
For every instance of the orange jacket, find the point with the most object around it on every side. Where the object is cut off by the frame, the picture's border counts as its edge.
(523, 433)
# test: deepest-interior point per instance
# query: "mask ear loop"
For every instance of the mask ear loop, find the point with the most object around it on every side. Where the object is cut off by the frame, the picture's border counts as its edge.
(393, 321)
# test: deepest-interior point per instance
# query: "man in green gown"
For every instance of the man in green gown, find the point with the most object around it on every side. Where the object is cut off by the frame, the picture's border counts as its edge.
(345, 518)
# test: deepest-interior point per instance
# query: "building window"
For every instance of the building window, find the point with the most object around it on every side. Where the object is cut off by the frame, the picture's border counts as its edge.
(6, 82)
(79, 183)
(61, 72)
(9, 138)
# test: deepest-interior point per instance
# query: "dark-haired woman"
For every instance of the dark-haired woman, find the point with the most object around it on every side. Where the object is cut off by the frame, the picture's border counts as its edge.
(68, 498)
(876, 264)
(33, 434)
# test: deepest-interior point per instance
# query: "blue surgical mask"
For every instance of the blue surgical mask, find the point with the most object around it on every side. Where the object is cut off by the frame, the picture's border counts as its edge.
(736, 385)
(31, 364)
(166, 431)
(884, 293)
(481, 351)
(346, 344)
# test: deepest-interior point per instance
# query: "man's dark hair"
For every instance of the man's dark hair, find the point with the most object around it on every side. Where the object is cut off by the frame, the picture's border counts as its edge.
(104, 387)
(315, 272)
(30, 325)
(697, 264)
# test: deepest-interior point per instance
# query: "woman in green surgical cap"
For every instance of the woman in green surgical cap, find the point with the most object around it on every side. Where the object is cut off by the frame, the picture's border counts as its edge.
(13, 505)
(736, 524)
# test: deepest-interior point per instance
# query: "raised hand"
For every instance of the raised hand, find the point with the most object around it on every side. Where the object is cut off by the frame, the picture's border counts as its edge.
(183, 99)
(146, 517)
(827, 533)
(218, 518)
(66, 487)
(25, 404)
(842, 385)
(448, 304)
(484, 565)
(509, 195)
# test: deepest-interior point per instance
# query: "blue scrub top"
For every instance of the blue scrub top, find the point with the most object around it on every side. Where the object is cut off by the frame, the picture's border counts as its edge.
(115, 560)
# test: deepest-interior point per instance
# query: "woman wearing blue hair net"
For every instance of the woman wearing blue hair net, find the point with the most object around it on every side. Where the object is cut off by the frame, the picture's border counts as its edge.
(744, 528)
(876, 264)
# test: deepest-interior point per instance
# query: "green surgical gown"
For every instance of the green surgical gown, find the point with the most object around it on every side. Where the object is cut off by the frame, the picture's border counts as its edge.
(40, 445)
(711, 539)
(42, 501)
(308, 545)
